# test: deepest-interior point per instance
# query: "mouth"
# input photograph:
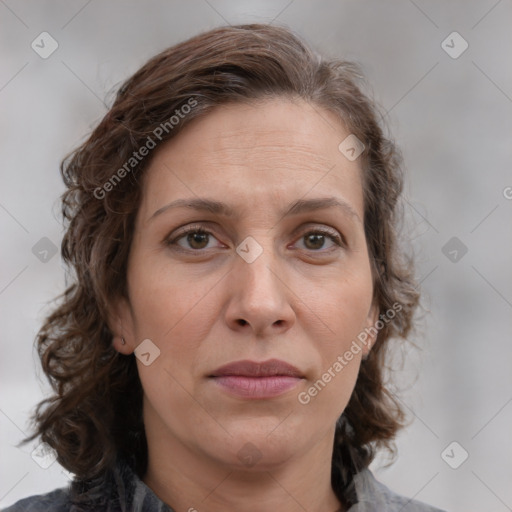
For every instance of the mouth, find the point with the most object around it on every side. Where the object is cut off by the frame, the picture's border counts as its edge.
(249, 379)
(270, 368)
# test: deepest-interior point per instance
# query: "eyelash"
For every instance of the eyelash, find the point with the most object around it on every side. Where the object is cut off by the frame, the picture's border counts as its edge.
(200, 229)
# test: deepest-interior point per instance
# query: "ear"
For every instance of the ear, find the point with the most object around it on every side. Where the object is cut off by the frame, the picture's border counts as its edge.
(370, 329)
(121, 323)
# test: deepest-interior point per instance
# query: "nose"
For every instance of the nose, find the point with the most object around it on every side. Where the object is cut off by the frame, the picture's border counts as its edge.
(259, 298)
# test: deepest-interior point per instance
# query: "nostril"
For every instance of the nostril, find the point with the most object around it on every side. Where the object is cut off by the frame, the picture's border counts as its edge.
(241, 321)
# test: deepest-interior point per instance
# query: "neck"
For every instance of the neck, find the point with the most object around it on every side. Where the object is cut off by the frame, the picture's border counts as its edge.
(282, 490)
(189, 481)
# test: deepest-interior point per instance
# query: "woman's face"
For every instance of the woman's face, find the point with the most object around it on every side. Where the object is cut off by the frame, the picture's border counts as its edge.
(275, 267)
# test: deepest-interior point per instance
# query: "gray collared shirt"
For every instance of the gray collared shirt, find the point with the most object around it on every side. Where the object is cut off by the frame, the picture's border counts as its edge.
(124, 491)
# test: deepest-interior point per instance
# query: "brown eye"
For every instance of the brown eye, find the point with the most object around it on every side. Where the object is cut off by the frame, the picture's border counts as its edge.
(316, 240)
(193, 238)
(198, 239)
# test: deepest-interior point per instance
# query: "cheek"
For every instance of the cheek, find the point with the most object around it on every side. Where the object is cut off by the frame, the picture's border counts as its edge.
(343, 306)
(167, 301)
(176, 312)
(345, 313)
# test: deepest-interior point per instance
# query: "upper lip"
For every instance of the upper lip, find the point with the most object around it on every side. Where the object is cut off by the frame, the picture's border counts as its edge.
(268, 368)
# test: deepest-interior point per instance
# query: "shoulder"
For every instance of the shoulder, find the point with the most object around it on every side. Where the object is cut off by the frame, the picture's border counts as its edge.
(117, 489)
(56, 501)
(373, 496)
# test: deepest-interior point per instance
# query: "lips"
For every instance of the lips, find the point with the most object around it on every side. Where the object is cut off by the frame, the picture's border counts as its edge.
(269, 368)
(252, 380)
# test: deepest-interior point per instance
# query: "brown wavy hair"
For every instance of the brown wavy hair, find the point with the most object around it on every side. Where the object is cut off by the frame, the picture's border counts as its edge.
(95, 413)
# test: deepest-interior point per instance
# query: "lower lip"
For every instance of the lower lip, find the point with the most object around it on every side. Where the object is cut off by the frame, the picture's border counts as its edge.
(257, 387)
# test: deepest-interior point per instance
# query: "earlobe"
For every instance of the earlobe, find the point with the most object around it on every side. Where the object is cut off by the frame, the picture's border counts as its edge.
(120, 324)
(121, 345)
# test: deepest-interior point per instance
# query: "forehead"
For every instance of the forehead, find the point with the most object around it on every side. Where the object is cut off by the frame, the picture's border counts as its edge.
(271, 127)
(279, 149)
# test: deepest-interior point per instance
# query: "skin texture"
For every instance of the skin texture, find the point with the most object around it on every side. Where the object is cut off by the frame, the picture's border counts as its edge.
(303, 300)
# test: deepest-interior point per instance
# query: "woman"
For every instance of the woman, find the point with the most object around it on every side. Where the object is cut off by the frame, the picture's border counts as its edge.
(231, 227)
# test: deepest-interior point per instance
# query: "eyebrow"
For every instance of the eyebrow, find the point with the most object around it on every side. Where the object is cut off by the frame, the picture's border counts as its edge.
(201, 204)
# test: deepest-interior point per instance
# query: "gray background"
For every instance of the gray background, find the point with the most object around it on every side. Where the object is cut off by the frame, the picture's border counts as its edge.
(452, 117)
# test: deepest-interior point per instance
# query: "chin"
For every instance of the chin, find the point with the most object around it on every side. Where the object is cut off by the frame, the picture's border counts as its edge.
(259, 447)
